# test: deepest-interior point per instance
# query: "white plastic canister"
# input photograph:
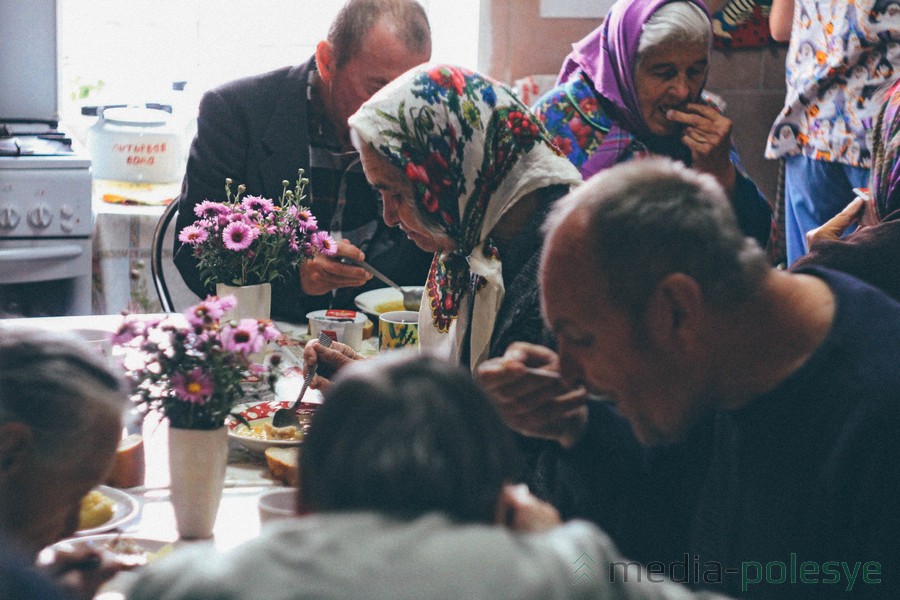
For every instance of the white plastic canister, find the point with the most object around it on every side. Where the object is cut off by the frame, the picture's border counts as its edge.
(135, 144)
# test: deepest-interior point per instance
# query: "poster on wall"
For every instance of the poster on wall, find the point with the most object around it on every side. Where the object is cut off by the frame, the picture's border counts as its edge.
(742, 24)
(737, 23)
(574, 9)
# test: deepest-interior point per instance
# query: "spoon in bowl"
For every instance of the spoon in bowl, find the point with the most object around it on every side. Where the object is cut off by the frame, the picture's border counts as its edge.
(285, 417)
(412, 299)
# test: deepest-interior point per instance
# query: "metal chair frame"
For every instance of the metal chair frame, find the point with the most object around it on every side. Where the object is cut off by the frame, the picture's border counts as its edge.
(156, 251)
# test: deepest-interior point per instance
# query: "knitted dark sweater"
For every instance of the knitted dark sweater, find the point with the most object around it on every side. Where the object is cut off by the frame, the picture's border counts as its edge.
(807, 473)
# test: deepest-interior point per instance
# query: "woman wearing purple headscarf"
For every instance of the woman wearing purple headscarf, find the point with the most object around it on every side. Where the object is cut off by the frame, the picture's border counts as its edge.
(634, 87)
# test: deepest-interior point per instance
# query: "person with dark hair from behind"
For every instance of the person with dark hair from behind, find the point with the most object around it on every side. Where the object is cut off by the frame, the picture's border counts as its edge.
(403, 482)
(61, 410)
(872, 251)
(259, 130)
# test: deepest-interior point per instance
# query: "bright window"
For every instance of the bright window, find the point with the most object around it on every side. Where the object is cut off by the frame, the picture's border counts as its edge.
(130, 52)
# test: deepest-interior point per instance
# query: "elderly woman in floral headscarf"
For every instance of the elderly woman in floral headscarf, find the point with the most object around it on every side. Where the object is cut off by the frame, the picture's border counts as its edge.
(469, 174)
(634, 86)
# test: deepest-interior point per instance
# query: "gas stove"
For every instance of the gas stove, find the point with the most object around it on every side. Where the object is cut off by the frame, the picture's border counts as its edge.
(45, 184)
(46, 219)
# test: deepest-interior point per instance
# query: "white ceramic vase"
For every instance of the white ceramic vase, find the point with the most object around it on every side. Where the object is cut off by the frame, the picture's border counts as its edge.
(197, 460)
(253, 301)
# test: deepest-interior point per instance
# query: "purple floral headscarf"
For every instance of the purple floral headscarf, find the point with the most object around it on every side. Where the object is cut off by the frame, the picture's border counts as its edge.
(886, 160)
(608, 54)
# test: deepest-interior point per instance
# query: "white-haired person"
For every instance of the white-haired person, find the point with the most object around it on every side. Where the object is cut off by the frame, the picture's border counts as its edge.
(634, 87)
(61, 410)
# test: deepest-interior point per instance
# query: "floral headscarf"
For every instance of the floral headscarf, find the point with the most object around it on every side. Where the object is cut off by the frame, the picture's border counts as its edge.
(886, 158)
(608, 54)
(472, 150)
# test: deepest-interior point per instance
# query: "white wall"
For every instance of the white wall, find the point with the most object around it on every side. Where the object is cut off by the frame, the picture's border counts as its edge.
(137, 48)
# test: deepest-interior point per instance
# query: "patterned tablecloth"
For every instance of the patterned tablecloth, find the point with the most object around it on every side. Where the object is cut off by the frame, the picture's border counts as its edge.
(123, 237)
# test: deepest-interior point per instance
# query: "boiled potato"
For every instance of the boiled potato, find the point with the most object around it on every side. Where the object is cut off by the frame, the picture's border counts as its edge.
(96, 509)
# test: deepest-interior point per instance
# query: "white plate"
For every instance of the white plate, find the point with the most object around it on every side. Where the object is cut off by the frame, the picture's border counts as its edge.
(368, 302)
(99, 542)
(126, 508)
(258, 413)
(116, 588)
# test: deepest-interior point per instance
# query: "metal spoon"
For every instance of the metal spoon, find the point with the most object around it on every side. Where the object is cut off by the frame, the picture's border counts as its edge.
(412, 299)
(285, 417)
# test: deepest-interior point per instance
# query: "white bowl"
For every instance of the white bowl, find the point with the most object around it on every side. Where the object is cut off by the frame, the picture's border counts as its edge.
(278, 503)
(375, 302)
(260, 413)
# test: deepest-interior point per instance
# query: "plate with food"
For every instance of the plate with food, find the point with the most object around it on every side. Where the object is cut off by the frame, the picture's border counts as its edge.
(382, 300)
(127, 551)
(105, 508)
(252, 428)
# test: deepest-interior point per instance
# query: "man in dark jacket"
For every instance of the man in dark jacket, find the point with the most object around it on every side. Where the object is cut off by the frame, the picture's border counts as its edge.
(260, 130)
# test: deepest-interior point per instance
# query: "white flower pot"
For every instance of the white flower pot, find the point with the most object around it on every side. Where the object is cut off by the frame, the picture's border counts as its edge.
(197, 460)
(253, 301)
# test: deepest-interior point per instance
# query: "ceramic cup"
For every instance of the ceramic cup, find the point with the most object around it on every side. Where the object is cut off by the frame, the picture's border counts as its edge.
(397, 329)
(345, 326)
(278, 503)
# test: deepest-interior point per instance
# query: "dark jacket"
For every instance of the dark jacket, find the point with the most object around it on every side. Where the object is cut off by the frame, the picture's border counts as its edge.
(256, 131)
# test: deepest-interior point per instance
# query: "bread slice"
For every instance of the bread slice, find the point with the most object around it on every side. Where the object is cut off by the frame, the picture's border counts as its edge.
(282, 462)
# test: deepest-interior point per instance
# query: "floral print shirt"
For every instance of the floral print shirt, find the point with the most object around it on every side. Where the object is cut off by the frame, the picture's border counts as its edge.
(841, 54)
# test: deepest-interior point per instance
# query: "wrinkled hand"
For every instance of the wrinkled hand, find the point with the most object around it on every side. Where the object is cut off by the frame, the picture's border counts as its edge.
(861, 211)
(520, 510)
(330, 360)
(530, 396)
(707, 134)
(323, 274)
(81, 570)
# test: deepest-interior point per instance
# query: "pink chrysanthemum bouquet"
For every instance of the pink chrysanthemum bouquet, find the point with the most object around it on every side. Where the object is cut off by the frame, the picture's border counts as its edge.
(192, 373)
(253, 240)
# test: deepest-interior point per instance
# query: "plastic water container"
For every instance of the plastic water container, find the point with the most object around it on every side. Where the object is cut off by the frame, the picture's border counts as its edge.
(135, 144)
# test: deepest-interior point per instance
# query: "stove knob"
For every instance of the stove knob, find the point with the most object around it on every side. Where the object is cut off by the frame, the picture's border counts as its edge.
(40, 217)
(9, 218)
(66, 212)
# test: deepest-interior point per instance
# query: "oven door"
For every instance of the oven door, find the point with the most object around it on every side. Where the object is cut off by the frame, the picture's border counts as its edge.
(45, 277)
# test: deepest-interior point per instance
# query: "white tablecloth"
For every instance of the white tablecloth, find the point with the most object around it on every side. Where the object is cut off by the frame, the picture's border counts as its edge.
(123, 237)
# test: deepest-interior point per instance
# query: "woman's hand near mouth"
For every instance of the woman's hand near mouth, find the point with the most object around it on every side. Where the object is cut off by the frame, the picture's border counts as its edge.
(707, 134)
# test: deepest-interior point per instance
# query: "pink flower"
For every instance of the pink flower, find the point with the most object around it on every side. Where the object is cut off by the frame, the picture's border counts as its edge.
(268, 331)
(209, 310)
(258, 203)
(195, 386)
(193, 235)
(324, 243)
(243, 338)
(238, 236)
(306, 221)
(127, 331)
(211, 210)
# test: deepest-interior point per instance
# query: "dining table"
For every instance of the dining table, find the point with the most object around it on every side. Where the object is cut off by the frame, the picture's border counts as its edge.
(247, 475)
